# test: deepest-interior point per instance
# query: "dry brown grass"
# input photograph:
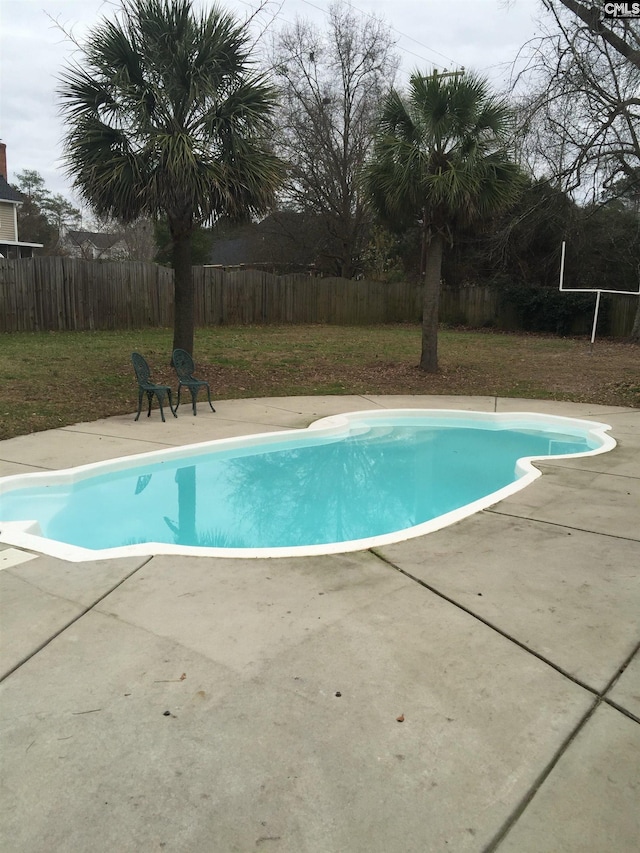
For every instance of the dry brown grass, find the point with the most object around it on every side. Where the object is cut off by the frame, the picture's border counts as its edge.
(55, 379)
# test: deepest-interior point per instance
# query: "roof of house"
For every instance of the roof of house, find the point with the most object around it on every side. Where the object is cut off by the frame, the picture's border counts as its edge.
(99, 239)
(229, 252)
(7, 192)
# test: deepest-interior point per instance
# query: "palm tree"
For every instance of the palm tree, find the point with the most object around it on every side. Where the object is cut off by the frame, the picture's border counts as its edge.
(439, 159)
(166, 118)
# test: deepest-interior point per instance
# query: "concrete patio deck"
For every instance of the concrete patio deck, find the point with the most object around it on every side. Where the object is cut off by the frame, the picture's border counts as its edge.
(476, 689)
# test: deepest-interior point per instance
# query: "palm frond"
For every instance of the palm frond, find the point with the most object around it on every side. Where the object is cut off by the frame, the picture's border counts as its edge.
(440, 152)
(165, 116)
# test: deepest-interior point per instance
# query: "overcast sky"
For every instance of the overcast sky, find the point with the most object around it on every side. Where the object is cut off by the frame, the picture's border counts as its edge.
(481, 35)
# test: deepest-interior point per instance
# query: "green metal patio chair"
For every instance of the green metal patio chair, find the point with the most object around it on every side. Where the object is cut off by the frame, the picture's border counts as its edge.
(184, 367)
(146, 386)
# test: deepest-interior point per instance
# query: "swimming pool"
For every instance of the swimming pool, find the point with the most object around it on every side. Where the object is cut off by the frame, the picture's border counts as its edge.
(345, 483)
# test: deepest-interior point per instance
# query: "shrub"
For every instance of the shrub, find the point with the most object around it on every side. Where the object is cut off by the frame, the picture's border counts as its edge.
(542, 309)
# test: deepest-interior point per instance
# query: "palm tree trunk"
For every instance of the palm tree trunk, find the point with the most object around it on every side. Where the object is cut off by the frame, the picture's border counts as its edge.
(431, 298)
(183, 291)
(635, 331)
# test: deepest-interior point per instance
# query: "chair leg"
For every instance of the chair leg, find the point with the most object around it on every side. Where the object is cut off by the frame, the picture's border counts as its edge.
(209, 398)
(178, 401)
(194, 397)
(160, 396)
(174, 412)
(150, 399)
(140, 396)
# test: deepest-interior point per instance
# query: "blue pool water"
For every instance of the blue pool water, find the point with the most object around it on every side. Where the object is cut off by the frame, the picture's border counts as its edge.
(376, 475)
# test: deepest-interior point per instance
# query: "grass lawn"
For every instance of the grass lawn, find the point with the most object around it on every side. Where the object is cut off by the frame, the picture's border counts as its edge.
(51, 379)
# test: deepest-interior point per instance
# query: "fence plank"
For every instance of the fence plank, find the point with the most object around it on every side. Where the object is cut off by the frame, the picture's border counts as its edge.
(54, 293)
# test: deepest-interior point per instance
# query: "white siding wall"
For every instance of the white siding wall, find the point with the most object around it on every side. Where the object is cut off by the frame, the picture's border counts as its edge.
(8, 227)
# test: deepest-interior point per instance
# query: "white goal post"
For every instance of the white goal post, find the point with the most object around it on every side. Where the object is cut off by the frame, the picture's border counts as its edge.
(597, 290)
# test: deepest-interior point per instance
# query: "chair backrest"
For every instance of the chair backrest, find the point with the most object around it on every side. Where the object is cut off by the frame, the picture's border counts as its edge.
(183, 364)
(143, 372)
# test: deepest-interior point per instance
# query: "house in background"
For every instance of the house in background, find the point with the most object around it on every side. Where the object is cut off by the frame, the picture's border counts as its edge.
(285, 241)
(93, 245)
(10, 200)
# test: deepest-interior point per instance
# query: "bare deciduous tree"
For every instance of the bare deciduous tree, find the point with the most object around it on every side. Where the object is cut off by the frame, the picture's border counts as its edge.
(581, 118)
(583, 112)
(331, 84)
(621, 34)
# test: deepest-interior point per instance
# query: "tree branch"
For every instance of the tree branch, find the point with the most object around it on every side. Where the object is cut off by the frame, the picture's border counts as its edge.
(590, 15)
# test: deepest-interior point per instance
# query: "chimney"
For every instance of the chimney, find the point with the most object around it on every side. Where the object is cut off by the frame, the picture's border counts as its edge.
(3, 160)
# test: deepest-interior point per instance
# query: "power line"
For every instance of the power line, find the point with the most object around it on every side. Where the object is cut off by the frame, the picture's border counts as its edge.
(395, 30)
(279, 15)
(404, 35)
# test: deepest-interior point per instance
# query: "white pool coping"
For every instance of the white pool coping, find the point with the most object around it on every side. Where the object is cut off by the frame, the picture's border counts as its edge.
(27, 535)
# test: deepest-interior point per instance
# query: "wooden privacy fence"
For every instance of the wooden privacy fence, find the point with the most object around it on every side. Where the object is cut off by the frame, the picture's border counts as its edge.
(70, 294)
(49, 293)
(54, 293)
(251, 296)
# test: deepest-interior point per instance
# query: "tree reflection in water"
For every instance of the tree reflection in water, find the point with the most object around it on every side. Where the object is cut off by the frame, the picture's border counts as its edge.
(335, 491)
(386, 478)
(303, 490)
(186, 531)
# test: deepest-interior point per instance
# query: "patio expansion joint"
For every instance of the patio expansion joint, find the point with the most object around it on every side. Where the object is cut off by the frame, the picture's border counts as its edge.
(35, 467)
(493, 627)
(520, 808)
(101, 435)
(373, 402)
(71, 622)
(548, 464)
(625, 711)
(558, 524)
(616, 676)
(599, 698)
